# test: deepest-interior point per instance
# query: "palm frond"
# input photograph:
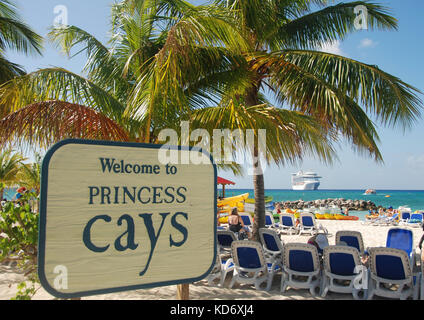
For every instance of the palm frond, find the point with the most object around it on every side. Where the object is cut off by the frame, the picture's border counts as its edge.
(330, 24)
(392, 101)
(289, 134)
(102, 66)
(59, 84)
(18, 36)
(330, 105)
(10, 164)
(47, 122)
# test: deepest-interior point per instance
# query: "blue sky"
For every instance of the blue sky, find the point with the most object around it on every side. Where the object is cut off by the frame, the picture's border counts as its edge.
(398, 53)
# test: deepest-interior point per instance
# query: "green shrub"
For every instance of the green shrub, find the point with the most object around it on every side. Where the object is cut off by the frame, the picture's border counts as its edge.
(19, 239)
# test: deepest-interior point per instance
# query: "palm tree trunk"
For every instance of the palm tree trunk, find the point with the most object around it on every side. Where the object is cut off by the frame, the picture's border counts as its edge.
(259, 188)
(252, 99)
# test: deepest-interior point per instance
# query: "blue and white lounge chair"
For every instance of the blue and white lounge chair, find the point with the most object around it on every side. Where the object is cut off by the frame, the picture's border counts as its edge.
(351, 239)
(270, 221)
(343, 272)
(250, 265)
(401, 238)
(225, 239)
(301, 261)
(404, 217)
(247, 220)
(220, 271)
(309, 225)
(416, 220)
(391, 274)
(273, 247)
(288, 224)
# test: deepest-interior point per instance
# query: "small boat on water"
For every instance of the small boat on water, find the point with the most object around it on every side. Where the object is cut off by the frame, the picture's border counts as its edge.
(370, 191)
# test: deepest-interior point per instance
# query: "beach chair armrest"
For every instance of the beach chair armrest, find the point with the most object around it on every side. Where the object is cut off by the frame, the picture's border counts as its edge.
(228, 263)
(256, 270)
(299, 273)
(399, 282)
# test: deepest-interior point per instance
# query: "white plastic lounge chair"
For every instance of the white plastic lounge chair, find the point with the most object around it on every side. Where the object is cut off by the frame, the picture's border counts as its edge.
(385, 221)
(301, 267)
(351, 239)
(220, 271)
(309, 225)
(225, 239)
(343, 271)
(250, 265)
(273, 247)
(288, 224)
(373, 221)
(393, 220)
(391, 274)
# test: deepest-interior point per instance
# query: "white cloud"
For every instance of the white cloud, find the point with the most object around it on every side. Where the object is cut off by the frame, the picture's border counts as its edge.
(333, 48)
(368, 43)
(416, 162)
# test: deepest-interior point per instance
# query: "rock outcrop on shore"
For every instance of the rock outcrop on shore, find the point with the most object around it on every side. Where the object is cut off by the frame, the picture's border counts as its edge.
(356, 205)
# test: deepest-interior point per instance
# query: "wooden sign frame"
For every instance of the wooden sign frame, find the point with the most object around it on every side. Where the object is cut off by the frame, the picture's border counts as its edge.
(44, 218)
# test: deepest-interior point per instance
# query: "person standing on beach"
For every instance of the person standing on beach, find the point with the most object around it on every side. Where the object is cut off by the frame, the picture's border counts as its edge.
(346, 211)
(420, 245)
(278, 208)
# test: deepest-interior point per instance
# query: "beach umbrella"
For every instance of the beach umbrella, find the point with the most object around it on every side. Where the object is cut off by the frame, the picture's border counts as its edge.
(21, 189)
(224, 182)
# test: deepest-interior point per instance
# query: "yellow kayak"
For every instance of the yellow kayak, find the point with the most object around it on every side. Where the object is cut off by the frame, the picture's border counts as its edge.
(267, 199)
(233, 201)
(223, 220)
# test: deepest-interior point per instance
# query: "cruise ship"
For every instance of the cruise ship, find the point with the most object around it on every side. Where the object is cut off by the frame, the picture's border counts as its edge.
(305, 181)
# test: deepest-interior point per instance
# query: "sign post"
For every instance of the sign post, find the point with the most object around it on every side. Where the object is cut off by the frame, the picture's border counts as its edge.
(183, 291)
(116, 217)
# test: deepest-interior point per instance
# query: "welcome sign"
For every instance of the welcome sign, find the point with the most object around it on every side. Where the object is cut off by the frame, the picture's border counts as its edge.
(114, 218)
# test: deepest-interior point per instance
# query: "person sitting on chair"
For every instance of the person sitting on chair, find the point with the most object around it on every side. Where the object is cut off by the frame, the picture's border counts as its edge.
(235, 222)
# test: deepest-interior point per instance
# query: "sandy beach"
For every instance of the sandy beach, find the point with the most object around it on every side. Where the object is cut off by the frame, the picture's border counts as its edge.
(374, 236)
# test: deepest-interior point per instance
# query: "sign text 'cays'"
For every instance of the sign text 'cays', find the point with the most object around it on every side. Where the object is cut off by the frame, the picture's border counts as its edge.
(126, 241)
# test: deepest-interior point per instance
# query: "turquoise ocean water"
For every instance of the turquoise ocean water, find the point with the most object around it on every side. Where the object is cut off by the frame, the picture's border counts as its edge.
(9, 194)
(413, 199)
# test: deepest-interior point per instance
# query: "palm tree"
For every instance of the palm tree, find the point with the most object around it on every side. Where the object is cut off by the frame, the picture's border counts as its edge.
(51, 104)
(10, 165)
(122, 96)
(30, 175)
(169, 61)
(339, 92)
(16, 36)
